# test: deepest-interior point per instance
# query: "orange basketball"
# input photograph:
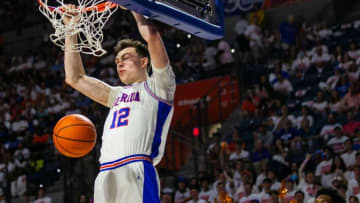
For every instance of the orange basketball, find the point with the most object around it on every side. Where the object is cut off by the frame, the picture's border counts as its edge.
(74, 135)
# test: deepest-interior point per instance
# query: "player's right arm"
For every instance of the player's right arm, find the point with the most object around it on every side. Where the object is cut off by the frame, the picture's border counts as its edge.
(76, 77)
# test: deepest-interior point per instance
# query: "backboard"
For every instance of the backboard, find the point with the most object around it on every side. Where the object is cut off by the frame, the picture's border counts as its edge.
(203, 18)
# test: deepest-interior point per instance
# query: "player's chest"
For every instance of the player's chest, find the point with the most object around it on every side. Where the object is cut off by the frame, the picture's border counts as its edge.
(136, 98)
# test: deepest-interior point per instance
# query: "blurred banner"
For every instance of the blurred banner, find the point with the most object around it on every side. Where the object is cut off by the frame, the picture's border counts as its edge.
(221, 95)
(237, 7)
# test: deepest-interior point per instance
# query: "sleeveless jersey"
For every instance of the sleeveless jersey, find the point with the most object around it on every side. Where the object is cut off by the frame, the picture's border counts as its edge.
(139, 118)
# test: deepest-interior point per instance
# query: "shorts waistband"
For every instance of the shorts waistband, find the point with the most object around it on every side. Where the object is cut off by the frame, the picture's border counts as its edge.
(124, 161)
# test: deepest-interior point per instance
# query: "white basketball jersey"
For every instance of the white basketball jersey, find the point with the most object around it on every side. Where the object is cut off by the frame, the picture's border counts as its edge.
(139, 118)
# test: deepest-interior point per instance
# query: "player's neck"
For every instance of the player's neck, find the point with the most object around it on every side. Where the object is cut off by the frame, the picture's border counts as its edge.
(137, 81)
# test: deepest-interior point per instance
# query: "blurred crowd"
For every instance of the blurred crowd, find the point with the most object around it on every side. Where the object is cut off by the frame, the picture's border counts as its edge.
(299, 130)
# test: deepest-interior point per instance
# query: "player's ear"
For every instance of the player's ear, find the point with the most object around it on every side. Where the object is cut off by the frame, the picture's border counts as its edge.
(144, 62)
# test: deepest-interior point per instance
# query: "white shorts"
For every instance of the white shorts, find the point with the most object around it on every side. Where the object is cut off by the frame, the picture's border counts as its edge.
(130, 179)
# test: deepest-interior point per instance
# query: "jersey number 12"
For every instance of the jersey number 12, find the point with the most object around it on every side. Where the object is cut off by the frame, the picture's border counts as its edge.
(120, 118)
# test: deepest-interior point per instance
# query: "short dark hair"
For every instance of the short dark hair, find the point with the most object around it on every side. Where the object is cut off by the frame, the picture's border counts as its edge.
(140, 47)
(300, 192)
(194, 187)
(335, 196)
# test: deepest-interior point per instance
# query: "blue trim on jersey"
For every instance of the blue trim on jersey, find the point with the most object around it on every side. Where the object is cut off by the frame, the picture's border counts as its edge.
(151, 188)
(121, 165)
(111, 162)
(124, 161)
(162, 114)
(151, 93)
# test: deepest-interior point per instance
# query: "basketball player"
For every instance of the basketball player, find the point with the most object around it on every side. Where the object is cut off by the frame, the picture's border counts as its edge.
(136, 127)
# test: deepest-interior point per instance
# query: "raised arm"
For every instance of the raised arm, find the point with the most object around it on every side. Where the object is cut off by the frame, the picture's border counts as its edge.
(76, 77)
(151, 35)
(302, 166)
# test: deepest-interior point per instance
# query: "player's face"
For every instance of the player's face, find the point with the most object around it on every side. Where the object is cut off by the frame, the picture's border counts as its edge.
(130, 66)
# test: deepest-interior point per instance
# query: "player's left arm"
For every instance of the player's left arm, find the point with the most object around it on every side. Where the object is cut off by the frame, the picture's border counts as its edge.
(151, 35)
(162, 82)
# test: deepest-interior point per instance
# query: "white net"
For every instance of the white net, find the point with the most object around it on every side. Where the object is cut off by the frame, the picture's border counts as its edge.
(87, 22)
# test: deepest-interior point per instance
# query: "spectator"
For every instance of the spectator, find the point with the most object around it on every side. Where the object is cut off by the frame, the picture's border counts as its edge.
(290, 191)
(328, 195)
(301, 64)
(265, 195)
(83, 199)
(182, 193)
(206, 193)
(194, 194)
(351, 100)
(209, 58)
(331, 82)
(285, 118)
(283, 86)
(254, 35)
(340, 184)
(353, 199)
(351, 124)
(328, 129)
(320, 104)
(222, 195)
(289, 31)
(277, 70)
(305, 132)
(338, 169)
(167, 195)
(238, 173)
(337, 143)
(275, 196)
(343, 84)
(41, 198)
(264, 135)
(275, 184)
(250, 103)
(323, 32)
(224, 56)
(304, 115)
(249, 195)
(306, 179)
(335, 103)
(240, 152)
(354, 186)
(260, 152)
(299, 196)
(349, 155)
(324, 167)
(240, 29)
(354, 52)
(261, 175)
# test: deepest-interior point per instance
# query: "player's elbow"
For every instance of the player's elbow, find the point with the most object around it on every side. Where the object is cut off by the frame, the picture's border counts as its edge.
(73, 81)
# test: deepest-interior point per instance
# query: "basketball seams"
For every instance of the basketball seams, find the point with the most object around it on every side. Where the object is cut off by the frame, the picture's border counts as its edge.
(68, 153)
(74, 140)
(72, 125)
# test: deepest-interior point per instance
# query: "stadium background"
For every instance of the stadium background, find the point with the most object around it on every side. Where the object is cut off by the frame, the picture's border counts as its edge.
(238, 101)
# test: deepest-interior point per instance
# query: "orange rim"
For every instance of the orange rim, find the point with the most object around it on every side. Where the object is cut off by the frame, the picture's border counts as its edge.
(99, 7)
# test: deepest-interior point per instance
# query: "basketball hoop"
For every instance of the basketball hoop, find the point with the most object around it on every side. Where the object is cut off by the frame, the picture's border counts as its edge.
(91, 17)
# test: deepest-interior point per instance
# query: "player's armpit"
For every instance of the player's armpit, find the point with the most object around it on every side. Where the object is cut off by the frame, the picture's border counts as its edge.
(93, 88)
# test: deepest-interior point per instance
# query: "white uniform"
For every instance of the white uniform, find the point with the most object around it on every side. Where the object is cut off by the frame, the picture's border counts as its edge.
(134, 138)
